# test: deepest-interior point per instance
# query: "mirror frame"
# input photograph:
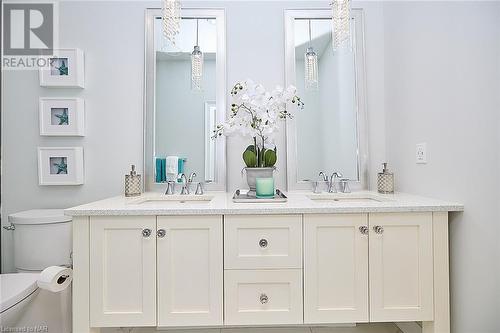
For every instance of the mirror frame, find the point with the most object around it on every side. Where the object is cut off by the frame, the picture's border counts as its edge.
(362, 183)
(219, 184)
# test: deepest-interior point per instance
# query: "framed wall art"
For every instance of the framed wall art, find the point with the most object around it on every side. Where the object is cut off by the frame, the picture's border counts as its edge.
(60, 166)
(65, 69)
(62, 117)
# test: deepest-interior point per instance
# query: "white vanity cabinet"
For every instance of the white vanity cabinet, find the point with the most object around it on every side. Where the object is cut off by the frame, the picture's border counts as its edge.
(263, 270)
(355, 262)
(250, 270)
(336, 268)
(155, 271)
(122, 271)
(189, 266)
(401, 267)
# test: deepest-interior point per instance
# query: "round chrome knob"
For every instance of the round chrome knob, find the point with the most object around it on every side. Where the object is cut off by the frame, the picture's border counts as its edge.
(146, 232)
(378, 229)
(264, 299)
(161, 233)
(363, 230)
(263, 243)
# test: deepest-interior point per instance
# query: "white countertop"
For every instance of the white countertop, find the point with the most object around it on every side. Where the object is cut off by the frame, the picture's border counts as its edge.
(298, 203)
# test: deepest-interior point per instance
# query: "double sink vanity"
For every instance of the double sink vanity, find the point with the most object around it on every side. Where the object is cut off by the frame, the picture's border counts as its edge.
(196, 261)
(204, 261)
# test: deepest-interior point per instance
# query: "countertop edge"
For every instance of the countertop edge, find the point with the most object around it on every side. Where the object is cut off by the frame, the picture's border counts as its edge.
(259, 211)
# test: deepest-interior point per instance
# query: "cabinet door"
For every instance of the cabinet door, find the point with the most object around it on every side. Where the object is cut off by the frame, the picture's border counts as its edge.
(335, 268)
(401, 267)
(190, 271)
(122, 271)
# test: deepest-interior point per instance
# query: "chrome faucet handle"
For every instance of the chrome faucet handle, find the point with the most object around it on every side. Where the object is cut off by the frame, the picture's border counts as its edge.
(192, 175)
(170, 188)
(315, 186)
(344, 186)
(199, 189)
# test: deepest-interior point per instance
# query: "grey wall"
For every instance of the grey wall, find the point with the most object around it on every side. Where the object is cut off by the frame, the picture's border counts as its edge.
(442, 83)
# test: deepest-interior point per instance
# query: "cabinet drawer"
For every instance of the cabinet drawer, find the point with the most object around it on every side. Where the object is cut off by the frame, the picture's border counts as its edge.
(263, 297)
(260, 242)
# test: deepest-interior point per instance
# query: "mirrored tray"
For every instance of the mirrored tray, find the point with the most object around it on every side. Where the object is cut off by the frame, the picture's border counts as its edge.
(240, 196)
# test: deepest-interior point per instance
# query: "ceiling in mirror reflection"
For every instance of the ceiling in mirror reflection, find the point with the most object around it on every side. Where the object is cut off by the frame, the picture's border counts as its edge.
(186, 39)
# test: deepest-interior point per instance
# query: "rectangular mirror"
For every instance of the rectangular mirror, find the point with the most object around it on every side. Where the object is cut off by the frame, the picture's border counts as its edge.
(329, 133)
(182, 110)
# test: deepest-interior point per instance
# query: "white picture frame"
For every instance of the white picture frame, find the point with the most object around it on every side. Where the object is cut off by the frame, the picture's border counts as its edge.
(62, 116)
(65, 70)
(60, 166)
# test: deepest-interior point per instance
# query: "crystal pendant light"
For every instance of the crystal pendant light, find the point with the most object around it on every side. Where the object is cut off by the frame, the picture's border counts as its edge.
(171, 17)
(311, 65)
(196, 64)
(341, 21)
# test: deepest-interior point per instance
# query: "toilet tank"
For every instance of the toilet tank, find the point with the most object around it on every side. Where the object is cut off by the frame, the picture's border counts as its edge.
(42, 238)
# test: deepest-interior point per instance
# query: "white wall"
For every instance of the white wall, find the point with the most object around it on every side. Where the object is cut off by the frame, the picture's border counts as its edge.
(442, 84)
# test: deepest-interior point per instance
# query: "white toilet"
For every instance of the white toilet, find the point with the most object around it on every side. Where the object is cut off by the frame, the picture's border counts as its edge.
(42, 238)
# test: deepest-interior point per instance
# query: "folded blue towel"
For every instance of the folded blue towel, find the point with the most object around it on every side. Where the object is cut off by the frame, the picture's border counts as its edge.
(163, 170)
(160, 167)
(158, 170)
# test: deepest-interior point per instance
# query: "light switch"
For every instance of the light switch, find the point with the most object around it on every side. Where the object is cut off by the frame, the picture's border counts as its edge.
(421, 153)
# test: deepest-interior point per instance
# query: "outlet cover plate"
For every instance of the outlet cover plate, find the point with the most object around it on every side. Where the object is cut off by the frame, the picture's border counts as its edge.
(421, 153)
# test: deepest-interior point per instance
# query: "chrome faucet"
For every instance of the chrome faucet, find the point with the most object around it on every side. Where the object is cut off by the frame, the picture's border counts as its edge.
(331, 184)
(185, 184)
(324, 176)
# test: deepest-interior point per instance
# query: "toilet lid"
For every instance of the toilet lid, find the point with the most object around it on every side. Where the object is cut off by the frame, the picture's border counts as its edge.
(39, 216)
(16, 287)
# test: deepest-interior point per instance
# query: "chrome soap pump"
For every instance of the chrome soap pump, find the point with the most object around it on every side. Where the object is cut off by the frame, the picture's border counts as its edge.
(385, 181)
(133, 183)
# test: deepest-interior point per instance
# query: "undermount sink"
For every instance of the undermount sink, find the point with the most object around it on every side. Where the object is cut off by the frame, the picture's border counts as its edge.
(347, 197)
(163, 199)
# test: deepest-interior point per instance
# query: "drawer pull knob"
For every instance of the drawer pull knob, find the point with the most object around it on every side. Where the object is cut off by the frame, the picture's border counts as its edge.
(263, 243)
(378, 229)
(363, 230)
(264, 299)
(161, 233)
(146, 233)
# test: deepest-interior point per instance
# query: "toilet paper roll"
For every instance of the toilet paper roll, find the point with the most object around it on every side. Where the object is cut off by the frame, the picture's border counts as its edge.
(55, 278)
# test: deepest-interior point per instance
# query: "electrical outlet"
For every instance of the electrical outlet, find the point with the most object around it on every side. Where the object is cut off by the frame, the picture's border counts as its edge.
(421, 153)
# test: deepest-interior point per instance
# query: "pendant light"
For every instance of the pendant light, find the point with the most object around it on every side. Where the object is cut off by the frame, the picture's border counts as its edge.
(196, 64)
(341, 24)
(171, 19)
(311, 65)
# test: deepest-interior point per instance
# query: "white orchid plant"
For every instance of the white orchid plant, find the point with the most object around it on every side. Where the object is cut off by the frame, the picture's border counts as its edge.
(255, 113)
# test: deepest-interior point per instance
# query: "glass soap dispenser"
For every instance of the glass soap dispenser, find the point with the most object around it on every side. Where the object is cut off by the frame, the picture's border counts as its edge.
(385, 180)
(133, 183)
